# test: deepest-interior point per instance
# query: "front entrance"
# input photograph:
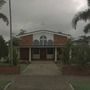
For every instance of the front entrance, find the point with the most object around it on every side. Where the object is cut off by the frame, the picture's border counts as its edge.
(24, 54)
(43, 54)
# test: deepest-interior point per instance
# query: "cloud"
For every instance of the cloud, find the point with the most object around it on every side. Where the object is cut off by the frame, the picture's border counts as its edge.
(33, 15)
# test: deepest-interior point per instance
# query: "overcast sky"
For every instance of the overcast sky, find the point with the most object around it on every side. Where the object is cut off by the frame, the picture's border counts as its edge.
(32, 15)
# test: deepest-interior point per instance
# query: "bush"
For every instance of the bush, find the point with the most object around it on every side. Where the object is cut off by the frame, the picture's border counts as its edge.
(80, 55)
(15, 56)
(66, 53)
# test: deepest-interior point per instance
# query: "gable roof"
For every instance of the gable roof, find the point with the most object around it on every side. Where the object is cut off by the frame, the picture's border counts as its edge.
(53, 32)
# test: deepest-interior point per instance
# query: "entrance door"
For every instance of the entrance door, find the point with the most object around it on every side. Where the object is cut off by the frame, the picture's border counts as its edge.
(24, 53)
(43, 53)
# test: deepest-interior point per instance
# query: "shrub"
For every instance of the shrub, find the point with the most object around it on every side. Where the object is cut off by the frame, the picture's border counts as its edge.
(80, 55)
(66, 53)
(15, 56)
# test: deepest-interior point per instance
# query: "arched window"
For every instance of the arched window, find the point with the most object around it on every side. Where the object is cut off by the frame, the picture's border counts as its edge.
(43, 40)
(36, 42)
(50, 42)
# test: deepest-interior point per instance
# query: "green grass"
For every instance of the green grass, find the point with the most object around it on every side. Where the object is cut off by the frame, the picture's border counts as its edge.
(3, 84)
(22, 67)
(81, 85)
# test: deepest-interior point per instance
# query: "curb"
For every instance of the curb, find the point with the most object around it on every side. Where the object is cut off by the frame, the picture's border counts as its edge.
(71, 86)
(5, 88)
(25, 69)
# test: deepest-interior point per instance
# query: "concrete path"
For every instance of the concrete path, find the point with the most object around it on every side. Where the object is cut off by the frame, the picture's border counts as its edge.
(40, 83)
(42, 68)
(40, 76)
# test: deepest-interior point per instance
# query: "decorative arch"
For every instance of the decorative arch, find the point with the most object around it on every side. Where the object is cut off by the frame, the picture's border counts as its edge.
(43, 40)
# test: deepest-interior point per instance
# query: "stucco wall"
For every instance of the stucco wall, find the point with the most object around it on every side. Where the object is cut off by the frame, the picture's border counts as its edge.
(37, 35)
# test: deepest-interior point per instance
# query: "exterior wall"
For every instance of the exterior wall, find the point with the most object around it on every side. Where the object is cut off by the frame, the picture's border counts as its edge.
(57, 39)
(26, 40)
(36, 56)
(60, 40)
(37, 35)
(50, 56)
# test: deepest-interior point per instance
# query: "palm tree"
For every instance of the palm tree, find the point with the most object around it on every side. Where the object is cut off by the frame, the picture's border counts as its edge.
(2, 16)
(83, 15)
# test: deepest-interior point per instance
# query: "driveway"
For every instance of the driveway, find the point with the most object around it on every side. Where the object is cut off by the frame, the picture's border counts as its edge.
(42, 68)
(40, 76)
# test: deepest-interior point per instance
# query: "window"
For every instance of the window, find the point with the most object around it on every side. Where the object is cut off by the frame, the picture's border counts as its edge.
(43, 40)
(50, 51)
(36, 42)
(36, 51)
(50, 42)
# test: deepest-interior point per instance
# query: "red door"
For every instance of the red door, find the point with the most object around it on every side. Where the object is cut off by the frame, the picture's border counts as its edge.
(43, 53)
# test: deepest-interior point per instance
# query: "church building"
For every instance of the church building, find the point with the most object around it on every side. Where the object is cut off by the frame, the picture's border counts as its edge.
(42, 45)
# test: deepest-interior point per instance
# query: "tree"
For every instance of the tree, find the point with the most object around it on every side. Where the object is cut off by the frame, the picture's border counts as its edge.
(3, 48)
(2, 16)
(22, 31)
(83, 15)
(15, 41)
(66, 53)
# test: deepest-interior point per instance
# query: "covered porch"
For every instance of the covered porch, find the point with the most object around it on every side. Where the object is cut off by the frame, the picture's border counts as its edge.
(29, 54)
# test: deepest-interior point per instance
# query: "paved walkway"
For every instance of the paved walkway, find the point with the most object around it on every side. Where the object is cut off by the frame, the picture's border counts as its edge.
(42, 68)
(40, 76)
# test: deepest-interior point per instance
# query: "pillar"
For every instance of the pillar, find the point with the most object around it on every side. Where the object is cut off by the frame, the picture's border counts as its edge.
(18, 51)
(70, 53)
(30, 55)
(55, 55)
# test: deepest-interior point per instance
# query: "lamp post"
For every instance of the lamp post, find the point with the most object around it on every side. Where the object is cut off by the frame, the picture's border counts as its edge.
(11, 41)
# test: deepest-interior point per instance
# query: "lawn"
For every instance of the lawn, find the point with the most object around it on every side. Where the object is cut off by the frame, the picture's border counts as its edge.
(81, 85)
(3, 84)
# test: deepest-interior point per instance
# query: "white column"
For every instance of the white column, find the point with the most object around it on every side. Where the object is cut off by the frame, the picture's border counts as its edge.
(30, 55)
(55, 55)
(70, 53)
(18, 51)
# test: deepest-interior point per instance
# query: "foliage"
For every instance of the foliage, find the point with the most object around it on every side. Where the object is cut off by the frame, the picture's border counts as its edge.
(83, 15)
(22, 31)
(2, 2)
(2, 16)
(66, 53)
(80, 55)
(81, 84)
(88, 1)
(86, 28)
(3, 48)
(15, 41)
(5, 19)
(15, 56)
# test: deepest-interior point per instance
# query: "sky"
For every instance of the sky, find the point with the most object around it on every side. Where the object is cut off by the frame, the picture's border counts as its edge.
(32, 15)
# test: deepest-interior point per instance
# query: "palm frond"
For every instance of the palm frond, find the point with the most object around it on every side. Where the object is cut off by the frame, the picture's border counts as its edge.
(2, 2)
(5, 19)
(88, 2)
(87, 28)
(84, 15)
